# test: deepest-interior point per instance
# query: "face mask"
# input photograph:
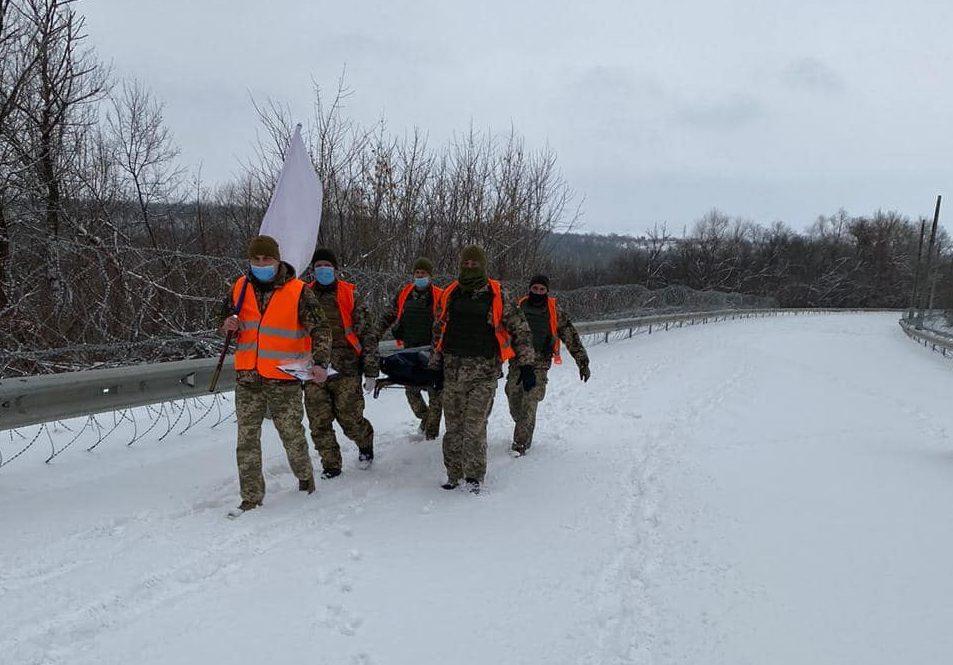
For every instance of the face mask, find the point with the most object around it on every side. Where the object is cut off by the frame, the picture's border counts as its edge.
(264, 273)
(421, 282)
(537, 298)
(472, 279)
(324, 275)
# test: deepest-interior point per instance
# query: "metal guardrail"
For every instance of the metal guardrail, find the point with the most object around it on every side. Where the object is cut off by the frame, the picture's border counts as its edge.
(34, 400)
(932, 339)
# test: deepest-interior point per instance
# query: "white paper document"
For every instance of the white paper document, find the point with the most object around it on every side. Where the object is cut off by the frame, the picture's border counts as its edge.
(304, 371)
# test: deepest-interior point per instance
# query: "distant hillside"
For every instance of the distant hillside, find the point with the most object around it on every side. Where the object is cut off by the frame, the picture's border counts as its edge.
(592, 249)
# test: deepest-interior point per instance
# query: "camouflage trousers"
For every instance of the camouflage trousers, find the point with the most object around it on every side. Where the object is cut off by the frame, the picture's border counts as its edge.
(523, 405)
(283, 401)
(468, 393)
(340, 398)
(428, 412)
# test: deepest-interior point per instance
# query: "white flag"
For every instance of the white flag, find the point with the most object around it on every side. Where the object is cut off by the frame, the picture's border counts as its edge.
(294, 213)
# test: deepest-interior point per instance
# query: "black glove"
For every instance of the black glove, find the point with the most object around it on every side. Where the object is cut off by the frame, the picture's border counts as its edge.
(584, 373)
(528, 377)
(435, 368)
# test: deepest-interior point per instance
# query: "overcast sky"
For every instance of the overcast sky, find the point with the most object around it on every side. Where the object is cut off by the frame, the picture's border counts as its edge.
(658, 111)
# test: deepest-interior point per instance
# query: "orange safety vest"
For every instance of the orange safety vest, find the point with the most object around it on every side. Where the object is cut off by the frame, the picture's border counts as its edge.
(345, 300)
(435, 293)
(273, 338)
(502, 336)
(553, 327)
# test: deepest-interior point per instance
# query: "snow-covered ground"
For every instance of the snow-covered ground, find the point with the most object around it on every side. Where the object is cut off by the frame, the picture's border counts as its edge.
(775, 491)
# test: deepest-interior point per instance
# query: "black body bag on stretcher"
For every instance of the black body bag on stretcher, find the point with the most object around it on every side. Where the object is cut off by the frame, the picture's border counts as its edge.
(409, 368)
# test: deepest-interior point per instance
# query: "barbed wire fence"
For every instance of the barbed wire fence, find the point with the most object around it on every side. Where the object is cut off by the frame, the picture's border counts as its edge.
(77, 305)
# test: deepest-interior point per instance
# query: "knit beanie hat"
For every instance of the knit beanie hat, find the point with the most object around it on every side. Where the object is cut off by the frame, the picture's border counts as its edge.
(474, 253)
(424, 263)
(540, 279)
(263, 246)
(324, 254)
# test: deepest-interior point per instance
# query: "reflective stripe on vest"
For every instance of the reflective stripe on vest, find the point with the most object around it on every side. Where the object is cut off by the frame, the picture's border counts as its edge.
(273, 338)
(435, 293)
(496, 309)
(553, 327)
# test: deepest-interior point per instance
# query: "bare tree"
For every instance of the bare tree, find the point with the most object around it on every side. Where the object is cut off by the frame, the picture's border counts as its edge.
(17, 63)
(66, 84)
(145, 152)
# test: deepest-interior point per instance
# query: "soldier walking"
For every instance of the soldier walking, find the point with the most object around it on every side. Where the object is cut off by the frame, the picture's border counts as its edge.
(277, 320)
(353, 354)
(478, 328)
(411, 318)
(549, 326)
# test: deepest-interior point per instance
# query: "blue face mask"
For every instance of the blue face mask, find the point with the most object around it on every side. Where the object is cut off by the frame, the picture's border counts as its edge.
(421, 282)
(264, 273)
(324, 275)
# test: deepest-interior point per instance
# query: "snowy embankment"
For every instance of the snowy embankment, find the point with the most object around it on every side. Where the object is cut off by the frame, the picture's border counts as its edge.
(765, 491)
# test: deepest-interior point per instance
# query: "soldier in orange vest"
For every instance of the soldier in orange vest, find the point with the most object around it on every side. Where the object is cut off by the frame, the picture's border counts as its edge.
(353, 354)
(277, 321)
(549, 325)
(478, 328)
(412, 318)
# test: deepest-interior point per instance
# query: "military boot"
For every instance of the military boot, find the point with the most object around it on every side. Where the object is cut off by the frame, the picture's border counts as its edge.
(243, 508)
(365, 458)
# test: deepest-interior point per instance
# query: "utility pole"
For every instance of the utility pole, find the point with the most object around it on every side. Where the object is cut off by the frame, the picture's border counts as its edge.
(936, 221)
(916, 273)
(936, 274)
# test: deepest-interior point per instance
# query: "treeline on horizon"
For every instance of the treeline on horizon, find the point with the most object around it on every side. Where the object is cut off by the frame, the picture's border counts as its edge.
(840, 261)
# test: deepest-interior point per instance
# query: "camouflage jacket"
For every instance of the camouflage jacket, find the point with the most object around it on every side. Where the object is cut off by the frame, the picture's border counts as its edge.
(343, 358)
(310, 315)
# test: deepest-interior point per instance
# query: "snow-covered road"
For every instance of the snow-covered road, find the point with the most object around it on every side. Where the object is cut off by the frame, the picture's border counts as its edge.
(768, 491)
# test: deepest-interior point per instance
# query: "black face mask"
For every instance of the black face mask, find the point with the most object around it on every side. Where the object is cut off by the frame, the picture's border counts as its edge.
(538, 298)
